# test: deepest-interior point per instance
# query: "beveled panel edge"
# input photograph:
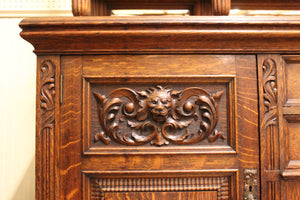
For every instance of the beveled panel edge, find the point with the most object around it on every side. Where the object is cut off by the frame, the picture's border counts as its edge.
(290, 114)
(287, 101)
(231, 176)
(292, 171)
(157, 35)
(230, 80)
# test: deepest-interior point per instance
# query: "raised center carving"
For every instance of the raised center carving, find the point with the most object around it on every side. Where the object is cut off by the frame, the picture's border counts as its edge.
(159, 104)
(158, 115)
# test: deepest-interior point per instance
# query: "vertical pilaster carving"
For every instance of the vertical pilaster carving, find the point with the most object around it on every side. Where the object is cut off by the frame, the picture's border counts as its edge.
(269, 126)
(45, 140)
(270, 110)
(270, 93)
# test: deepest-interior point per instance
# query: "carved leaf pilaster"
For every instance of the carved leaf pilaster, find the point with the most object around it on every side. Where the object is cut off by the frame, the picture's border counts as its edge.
(47, 94)
(45, 140)
(270, 93)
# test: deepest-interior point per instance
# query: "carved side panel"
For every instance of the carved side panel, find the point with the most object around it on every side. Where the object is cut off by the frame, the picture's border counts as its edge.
(220, 185)
(270, 110)
(269, 125)
(45, 147)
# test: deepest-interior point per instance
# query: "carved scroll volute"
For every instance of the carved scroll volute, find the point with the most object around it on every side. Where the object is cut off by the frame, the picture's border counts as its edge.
(269, 93)
(158, 116)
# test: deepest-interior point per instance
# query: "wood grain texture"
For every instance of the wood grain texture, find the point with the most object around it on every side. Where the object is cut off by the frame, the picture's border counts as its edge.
(269, 129)
(247, 117)
(164, 35)
(290, 112)
(155, 183)
(100, 55)
(70, 130)
(46, 126)
(133, 72)
(293, 191)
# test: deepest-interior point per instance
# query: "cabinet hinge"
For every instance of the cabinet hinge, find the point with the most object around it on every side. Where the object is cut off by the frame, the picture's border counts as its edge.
(61, 88)
(250, 188)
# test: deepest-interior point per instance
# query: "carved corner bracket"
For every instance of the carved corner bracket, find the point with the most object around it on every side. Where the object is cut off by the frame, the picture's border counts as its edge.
(158, 116)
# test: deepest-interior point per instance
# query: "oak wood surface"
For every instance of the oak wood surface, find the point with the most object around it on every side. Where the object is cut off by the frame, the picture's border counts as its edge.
(83, 35)
(258, 110)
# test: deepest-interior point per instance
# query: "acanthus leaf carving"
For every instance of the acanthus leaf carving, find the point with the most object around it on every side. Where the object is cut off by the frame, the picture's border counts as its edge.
(158, 116)
(269, 93)
(47, 94)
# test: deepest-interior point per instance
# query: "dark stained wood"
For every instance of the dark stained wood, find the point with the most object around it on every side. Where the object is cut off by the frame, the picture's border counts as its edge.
(240, 75)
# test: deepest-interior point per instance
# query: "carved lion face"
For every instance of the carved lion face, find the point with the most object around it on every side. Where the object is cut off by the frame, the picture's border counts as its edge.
(159, 104)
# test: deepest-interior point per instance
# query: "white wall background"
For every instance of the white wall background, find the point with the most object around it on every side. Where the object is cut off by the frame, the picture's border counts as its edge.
(17, 96)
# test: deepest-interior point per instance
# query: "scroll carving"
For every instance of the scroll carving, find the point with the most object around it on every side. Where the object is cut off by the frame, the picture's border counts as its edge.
(45, 140)
(47, 94)
(269, 93)
(100, 186)
(158, 116)
(270, 112)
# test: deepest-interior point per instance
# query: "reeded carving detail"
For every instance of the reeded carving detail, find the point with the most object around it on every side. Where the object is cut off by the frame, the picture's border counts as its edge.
(46, 129)
(270, 111)
(100, 186)
(159, 116)
(270, 93)
(47, 94)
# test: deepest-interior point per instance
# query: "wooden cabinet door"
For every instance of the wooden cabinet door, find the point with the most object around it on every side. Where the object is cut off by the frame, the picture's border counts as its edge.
(158, 127)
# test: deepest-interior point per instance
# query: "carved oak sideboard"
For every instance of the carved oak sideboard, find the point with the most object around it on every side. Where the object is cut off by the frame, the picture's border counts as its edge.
(167, 108)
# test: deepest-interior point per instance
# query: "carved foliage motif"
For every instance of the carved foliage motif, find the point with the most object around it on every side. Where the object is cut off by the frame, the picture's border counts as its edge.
(158, 116)
(47, 93)
(269, 93)
(219, 184)
(46, 128)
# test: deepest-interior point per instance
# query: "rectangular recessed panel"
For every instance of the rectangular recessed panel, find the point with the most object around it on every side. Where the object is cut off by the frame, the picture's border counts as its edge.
(165, 185)
(292, 72)
(294, 140)
(158, 113)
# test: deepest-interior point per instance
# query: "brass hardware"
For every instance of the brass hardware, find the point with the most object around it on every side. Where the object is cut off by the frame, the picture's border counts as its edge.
(61, 79)
(250, 188)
